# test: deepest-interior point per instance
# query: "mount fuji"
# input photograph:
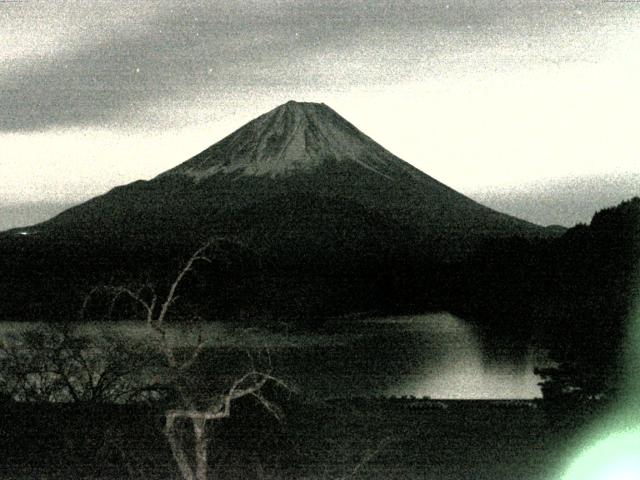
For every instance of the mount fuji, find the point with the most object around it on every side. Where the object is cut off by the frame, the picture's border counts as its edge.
(300, 173)
(324, 218)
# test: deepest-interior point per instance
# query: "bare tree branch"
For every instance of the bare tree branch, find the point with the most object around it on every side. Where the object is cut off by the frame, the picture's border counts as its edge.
(199, 255)
(156, 311)
(366, 458)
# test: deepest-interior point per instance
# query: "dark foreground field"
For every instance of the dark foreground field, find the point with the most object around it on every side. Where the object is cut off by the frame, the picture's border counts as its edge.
(386, 439)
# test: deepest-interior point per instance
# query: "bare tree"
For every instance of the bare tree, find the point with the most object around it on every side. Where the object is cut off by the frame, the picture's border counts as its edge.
(57, 363)
(156, 310)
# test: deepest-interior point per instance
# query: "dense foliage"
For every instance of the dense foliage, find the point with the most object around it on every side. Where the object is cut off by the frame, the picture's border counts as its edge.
(571, 296)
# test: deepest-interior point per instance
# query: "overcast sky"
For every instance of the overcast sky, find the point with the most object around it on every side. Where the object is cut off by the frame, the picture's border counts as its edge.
(522, 104)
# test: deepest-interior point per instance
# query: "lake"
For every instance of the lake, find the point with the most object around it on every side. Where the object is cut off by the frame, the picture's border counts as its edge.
(436, 355)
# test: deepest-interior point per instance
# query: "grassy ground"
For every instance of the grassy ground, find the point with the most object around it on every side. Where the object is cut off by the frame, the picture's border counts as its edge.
(380, 439)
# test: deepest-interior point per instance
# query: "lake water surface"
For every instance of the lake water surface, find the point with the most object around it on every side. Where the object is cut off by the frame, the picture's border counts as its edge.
(435, 355)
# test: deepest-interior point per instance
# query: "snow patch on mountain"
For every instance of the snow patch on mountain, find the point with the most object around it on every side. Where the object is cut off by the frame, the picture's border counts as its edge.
(291, 138)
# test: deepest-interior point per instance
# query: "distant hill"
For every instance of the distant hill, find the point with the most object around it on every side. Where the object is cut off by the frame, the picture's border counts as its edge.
(549, 280)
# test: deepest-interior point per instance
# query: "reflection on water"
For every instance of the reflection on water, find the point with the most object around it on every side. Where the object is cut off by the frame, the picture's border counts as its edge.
(434, 355)
(462, 367)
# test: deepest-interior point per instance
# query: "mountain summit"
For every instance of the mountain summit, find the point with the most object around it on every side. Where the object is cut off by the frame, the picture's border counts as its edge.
(292, 137)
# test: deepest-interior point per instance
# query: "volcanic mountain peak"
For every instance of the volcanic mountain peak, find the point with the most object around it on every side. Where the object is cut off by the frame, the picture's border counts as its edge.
(296, 136)
(302, 178)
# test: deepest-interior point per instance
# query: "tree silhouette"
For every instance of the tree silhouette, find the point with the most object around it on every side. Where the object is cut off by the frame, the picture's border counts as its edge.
(198, 402)
(57, 363)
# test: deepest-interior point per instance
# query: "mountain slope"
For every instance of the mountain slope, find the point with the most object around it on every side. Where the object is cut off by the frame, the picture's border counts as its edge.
(297, 150)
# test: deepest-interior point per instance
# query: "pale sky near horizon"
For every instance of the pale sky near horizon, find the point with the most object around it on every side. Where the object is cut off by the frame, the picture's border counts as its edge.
(529, 106)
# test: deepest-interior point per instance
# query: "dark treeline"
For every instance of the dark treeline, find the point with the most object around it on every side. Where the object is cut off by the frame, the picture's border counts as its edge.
(565, 294)
(572, 296)
(324, 260)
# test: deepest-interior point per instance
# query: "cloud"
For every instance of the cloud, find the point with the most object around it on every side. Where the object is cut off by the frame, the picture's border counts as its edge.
(165, 64)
